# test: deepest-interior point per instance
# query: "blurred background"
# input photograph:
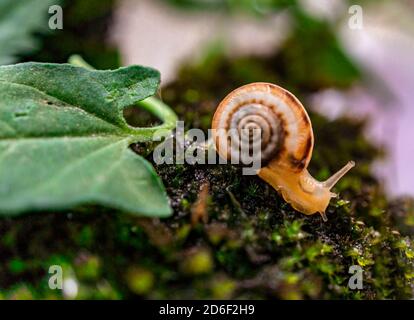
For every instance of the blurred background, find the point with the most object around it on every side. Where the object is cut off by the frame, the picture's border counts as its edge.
(347, 57)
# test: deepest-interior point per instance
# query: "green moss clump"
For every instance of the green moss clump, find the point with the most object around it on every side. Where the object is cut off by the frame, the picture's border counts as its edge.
(198, 261)
(140, 281)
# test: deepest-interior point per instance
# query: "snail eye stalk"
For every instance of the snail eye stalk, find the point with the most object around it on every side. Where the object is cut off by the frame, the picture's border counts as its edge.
(333, 180)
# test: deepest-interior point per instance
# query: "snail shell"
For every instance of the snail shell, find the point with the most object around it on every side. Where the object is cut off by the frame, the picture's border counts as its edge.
(287, 135)
(282, 126)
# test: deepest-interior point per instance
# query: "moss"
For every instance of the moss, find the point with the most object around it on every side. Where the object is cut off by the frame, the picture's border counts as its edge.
(196, 262)
(222, 287)
(88, 267)
(140, 281)
(20, 292)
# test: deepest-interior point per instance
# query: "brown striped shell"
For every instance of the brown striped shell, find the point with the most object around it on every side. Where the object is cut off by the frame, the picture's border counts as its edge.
(286, 130)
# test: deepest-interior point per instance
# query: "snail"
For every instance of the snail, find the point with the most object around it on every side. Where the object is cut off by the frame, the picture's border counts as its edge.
(286, 143)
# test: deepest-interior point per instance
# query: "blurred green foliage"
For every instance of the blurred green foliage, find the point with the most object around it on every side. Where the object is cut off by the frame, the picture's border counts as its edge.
(85, 32)
(312, 56)
(20, 20)
(250, 6)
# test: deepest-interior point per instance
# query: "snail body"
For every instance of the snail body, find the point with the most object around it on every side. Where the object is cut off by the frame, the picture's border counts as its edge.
(286, 142)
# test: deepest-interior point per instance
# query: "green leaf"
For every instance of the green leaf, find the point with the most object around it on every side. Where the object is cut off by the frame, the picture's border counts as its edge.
(64, 141)
(19, 19)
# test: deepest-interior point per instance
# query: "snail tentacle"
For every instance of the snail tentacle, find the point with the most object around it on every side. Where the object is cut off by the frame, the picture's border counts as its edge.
(329, 183)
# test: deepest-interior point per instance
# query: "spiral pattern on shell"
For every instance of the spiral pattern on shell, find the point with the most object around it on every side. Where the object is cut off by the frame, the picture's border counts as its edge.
(285, 134)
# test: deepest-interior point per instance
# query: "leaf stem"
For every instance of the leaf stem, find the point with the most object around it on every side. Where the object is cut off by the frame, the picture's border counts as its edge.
(78, 61)
(160, 110)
